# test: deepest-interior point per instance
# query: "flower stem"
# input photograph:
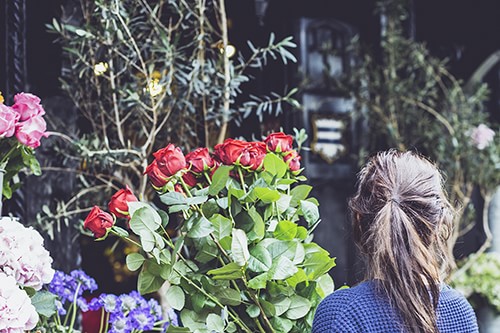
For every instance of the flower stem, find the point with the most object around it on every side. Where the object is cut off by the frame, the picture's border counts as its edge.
(73, 309)
(125, 237)
(5, 158)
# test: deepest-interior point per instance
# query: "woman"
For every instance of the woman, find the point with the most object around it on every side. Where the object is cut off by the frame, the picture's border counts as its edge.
(401, 223)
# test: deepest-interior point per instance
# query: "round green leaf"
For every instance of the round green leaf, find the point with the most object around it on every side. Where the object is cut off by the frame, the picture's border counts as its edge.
(134, 261)
(299, 307)
(175, 297)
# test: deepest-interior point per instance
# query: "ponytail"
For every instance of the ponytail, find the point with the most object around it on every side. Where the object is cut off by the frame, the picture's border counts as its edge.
(400, 224)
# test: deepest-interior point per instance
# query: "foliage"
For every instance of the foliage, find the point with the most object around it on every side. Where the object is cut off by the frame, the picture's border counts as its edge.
(406, 98)
(243, 259)
(481, 279)
(143, 73)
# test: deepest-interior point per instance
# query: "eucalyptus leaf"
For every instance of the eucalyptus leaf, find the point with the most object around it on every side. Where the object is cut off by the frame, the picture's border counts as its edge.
(239, 247)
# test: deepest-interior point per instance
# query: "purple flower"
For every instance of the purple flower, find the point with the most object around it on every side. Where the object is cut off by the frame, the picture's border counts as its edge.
(141, 319)
(95, 304)
(155, 309)
(120, 324)
(128, 302)
(66, 286)
(111, 303)
(173, 317)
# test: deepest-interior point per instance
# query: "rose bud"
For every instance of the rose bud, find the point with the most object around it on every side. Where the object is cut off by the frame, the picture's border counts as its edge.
(200, 160)
(157, 178)
(118, 204)
(279, 142)
(170, 160)
(189, 179)
(98, 221)
(230, 151)
(292, 159)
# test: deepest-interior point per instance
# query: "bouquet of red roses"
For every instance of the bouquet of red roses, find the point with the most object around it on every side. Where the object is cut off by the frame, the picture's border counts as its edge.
(243, 257)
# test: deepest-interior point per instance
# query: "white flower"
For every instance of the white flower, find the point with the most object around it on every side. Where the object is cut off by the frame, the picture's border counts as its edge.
(482, 136)
(17, 314)
(23, 256)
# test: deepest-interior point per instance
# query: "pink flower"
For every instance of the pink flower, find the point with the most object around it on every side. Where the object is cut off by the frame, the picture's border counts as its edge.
(8, 121)
(23, 256)
(28, 106)
(482, 136)
(30, 132)
(17, 314)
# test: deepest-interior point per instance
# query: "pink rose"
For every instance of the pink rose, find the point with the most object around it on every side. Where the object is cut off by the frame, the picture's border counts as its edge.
(482, 136)
(98, 221)
(118, 204)
(27, 105)
(279, 142)
(30, 132)
(200, 160)
(170, 160)
(8, 121)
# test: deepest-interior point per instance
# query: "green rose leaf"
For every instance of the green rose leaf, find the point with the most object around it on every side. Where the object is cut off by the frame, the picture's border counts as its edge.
(44, 303)
(215, 323)
(297, 278)
(219, 179)
(228, 296)
(281, 305)
(134, 261)
(192, 320)
(310, 212)
(325, 285)
(222, 226)
(253, 311)
(317, 264)
(266, 194)
(201, 228)
(298, 193)
(282, 325)
(282, 268)
(173, 198)
(239, 247)
(259, 282)
(299, 307)
(230, 271)
(285, 230)
(275, 165)
(260, 260)
(150, 279)
(175, 297)
(283, 203)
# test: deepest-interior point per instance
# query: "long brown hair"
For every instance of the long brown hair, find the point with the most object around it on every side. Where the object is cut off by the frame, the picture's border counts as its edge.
(401, 222)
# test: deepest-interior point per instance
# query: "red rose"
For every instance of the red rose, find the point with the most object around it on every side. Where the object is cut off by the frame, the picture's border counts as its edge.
(170, 160)
(230, 151)
(118, 203)
(256, 153)
(189, 179)
(98, 221)
(200, 160)
(156, 177)
(279, 142)
(292, 159)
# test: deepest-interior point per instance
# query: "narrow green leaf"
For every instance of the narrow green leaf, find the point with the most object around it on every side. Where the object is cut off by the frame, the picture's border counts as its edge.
(259, 282)
(230, 271)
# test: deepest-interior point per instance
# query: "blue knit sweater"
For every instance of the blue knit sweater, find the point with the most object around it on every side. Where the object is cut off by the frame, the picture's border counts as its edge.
(361, 310)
